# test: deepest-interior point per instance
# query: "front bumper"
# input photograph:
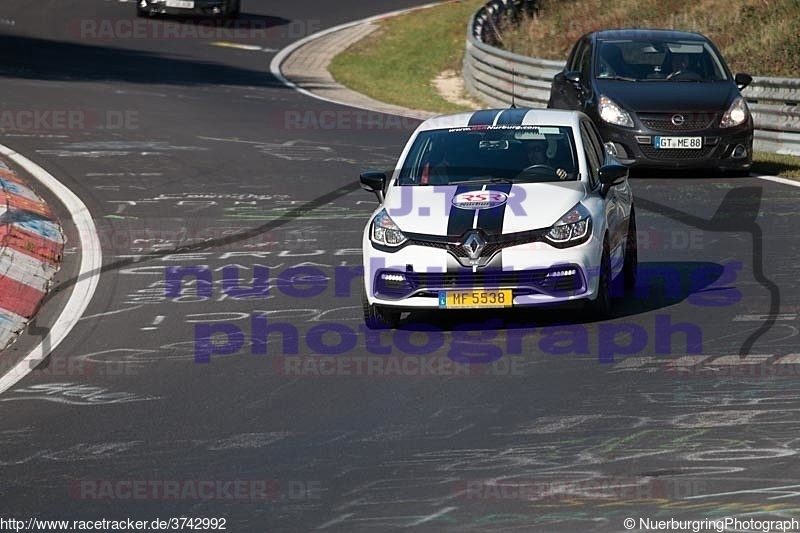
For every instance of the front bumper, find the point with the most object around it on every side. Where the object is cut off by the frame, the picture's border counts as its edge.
(537, 274)
(729, 148)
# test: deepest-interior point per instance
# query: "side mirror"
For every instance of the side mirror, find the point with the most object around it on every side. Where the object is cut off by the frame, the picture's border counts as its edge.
(613, 174)
(374, 182)
(573, 76)
(742, 80)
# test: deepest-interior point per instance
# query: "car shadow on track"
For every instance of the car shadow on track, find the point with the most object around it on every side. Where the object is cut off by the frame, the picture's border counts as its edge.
(659, 285)
(644, 174)
(103, 60)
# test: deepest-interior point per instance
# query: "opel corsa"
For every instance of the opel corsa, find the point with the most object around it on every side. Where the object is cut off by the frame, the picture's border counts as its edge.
(661, 99)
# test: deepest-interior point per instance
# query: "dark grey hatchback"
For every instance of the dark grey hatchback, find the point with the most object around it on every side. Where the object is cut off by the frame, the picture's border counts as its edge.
(218, 8)
(661, 98)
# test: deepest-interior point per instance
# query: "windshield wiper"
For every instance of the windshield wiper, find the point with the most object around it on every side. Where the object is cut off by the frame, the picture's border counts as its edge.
(485, 180)
(619, 78)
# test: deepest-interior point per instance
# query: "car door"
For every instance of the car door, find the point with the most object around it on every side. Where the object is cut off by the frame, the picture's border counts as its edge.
(616, 202)
(566, 92)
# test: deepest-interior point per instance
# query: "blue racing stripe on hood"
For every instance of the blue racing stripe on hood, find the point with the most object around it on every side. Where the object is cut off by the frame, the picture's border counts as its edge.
(485, 117)
(459, 221)
(512, 117)
(491, 220)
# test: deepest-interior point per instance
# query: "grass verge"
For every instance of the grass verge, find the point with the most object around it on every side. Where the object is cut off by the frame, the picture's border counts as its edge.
(755, 36)
(397, 63)
(786, 166)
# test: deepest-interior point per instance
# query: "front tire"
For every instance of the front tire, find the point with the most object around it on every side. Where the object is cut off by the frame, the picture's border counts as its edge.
(234, 10)
(600, 307)
(377, 317)
(631, 263)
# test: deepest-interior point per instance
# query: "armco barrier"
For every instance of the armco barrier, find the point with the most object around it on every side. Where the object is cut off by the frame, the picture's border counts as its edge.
(496, 76)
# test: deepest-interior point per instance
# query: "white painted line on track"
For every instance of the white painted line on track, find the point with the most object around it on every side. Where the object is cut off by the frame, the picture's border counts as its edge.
(240, 46)
(434, 516)
(778, 179)
(114, 312)
(762, 317)
(88, 273)
(337, 520)
(275, 64)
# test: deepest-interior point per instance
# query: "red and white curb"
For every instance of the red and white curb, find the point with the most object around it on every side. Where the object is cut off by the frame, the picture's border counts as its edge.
(83, 285)
(31, 246)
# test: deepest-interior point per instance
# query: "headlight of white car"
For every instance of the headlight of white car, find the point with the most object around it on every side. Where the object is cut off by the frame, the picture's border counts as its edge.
(572, 229)
(613, 113)
(385, 232)
(736, 113)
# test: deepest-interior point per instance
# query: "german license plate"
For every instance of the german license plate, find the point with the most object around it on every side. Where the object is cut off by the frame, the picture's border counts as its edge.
(691, 143)
(475, 299)
(181, 4)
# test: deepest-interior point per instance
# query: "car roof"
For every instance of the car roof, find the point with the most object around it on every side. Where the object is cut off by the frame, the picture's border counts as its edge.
(505, 117)
(645, 33)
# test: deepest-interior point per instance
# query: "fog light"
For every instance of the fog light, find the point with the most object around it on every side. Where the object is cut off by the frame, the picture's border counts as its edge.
(393, 280)
(611, 149)
(560, 273)
(739, 152)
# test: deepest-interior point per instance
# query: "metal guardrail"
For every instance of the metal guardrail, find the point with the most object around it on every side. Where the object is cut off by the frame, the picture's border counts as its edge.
(496, 76)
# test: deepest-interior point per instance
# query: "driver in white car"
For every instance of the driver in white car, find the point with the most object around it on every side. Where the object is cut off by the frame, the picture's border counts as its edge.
(537, 155)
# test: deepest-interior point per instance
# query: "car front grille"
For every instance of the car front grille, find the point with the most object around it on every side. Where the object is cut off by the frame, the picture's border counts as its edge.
(494, 243)
(692, 121)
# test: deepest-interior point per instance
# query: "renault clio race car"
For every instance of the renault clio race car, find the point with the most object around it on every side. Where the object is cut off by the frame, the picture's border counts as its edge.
(498, 209)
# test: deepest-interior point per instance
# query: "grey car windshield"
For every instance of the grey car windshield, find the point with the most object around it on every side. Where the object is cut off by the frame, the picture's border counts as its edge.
(516, 154)
(654, 60)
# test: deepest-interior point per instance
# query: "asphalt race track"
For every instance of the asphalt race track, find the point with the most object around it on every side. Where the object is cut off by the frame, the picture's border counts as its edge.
(172, 400)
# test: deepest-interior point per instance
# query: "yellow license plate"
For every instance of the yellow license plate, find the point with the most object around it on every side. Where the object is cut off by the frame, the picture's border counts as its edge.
(475, 299)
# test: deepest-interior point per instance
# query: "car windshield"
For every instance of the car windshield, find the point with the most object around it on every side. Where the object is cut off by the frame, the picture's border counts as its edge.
(490, 154)
(653, 60)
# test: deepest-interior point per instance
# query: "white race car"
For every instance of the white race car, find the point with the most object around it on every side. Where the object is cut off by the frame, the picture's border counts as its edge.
(495, 209)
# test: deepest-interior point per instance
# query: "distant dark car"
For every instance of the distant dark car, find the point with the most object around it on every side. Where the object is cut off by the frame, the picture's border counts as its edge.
(660, 98)
(222, 8)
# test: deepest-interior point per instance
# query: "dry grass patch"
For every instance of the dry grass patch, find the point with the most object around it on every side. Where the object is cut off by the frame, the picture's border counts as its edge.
(760, 37)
